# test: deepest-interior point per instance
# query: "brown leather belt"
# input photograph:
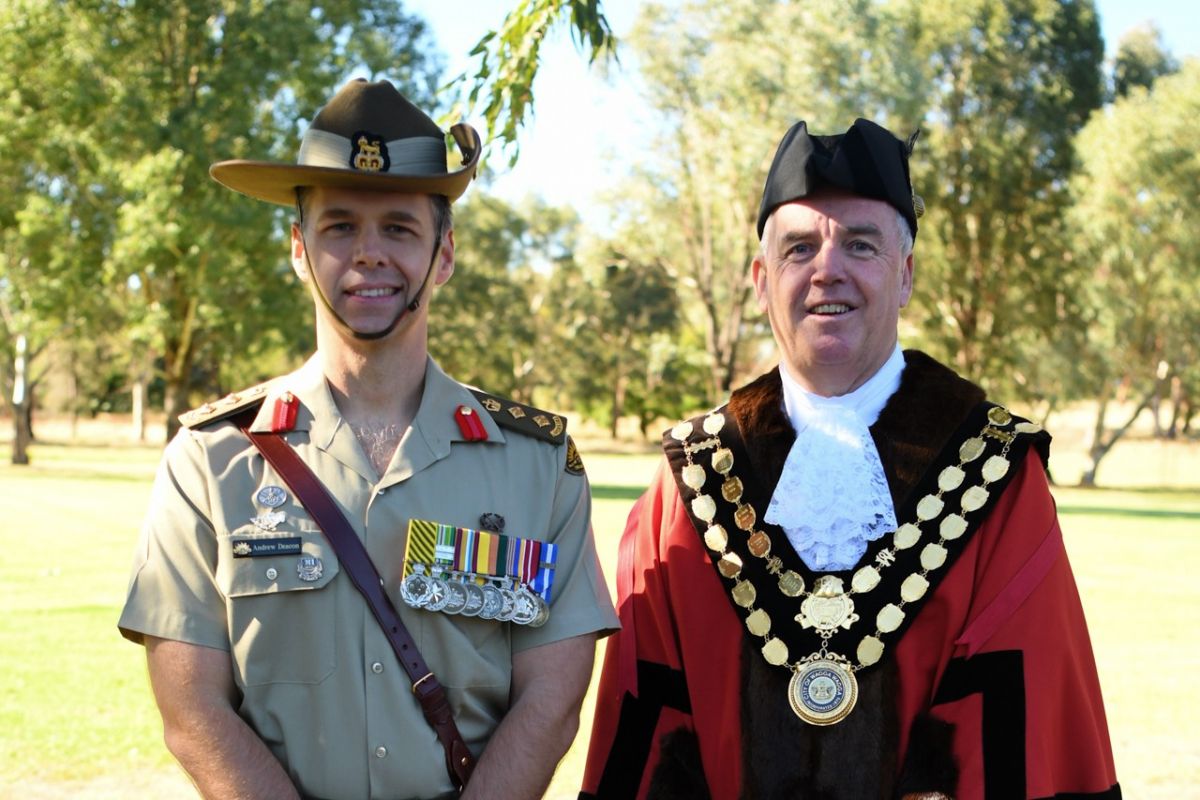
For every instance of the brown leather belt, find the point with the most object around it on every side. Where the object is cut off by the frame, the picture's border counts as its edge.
(355, 561)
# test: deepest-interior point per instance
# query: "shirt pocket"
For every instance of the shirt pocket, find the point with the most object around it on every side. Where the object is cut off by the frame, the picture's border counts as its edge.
(281, 608)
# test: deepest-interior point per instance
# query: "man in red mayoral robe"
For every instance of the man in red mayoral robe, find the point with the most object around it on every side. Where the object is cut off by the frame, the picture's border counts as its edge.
(849, 581)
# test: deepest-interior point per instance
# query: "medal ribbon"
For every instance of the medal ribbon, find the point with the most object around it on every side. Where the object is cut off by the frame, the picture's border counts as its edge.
(444, 551)
(464, 550)
(419, 549)
(544, 578)
(480, 553)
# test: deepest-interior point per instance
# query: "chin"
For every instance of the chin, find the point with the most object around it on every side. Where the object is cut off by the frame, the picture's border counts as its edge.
(831, 353)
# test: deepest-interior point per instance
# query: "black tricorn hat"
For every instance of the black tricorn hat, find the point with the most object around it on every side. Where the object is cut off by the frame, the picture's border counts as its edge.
(867, 160)
(369, 136)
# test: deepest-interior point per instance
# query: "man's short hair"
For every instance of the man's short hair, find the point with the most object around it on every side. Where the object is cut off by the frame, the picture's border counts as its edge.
(906, 234)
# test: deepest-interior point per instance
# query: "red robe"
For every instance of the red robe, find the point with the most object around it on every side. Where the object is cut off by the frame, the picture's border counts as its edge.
(990, 693)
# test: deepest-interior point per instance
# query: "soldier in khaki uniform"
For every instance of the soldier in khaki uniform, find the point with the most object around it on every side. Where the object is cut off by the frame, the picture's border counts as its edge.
(272, 677)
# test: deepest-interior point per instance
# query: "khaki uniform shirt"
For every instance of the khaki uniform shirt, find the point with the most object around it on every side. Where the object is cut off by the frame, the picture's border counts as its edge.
(320, 684)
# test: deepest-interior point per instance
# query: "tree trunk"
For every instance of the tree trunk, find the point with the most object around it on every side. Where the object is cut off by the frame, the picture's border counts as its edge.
(1100, 448)
(22, 418)
(175, 402)
(139, 409)
(21, 437)
(618, 398)
(1176, 405)
(74, 395)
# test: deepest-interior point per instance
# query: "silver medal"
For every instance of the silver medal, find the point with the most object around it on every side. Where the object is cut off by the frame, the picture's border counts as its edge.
(456, 598)
(475, 599)
(415, 590)
(493, 602)
(508, 599)
(438, 595)
(524, 609)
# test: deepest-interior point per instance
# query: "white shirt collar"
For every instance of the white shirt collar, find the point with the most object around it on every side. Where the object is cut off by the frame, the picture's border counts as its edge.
(867, 400)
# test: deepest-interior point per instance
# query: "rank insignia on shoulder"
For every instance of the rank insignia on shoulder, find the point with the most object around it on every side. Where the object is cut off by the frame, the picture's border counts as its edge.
(226, 407)
(535, 422)
(574, 461)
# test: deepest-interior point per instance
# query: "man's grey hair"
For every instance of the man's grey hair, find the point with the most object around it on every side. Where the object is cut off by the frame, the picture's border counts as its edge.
(906, 235)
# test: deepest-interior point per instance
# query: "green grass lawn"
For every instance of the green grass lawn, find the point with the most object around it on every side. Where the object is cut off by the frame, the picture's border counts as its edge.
(77, 720)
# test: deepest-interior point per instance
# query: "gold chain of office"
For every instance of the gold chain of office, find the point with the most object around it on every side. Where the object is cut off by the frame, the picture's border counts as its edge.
(823, 689)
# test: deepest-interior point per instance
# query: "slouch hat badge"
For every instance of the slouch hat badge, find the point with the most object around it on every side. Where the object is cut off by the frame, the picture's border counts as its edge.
(369, 153)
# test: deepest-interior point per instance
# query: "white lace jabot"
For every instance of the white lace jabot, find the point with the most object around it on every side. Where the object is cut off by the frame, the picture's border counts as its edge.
(832, 498)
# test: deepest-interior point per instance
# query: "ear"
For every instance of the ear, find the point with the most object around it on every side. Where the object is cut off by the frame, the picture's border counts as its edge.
(906, 280)
(445, 259)
(758, 273)
(299, 262)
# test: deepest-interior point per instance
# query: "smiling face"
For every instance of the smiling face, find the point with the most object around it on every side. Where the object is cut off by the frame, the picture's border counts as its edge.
(369, 253)
(832, 277)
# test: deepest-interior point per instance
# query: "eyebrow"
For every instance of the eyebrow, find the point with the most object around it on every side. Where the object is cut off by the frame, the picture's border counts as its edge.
(863, 229)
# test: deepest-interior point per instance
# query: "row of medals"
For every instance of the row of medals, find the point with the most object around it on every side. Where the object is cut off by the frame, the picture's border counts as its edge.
(823, 689)
(501, 599)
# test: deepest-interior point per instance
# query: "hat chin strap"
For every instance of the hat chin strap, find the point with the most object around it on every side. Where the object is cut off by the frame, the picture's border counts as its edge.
(411, 306)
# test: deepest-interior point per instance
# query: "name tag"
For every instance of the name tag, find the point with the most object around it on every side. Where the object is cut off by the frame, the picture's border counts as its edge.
(254, 548)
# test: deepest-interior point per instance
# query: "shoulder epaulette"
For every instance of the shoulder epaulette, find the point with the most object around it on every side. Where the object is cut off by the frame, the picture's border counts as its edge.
(224, 408)
(535, 422)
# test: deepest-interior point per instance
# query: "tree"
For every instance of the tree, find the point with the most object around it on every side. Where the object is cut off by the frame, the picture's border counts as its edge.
(1136, 201)
(486, 331)
(508, 61)
(54, 212)
(1007, 84)
(1141, 59)
(616, 323)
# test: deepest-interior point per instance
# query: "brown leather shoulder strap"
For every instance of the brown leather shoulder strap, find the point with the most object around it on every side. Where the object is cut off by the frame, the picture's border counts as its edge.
(356, 562)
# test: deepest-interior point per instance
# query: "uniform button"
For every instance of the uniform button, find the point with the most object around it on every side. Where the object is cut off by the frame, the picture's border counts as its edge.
(272, 573)
(380, 492)
(377, 668)
(380, 752)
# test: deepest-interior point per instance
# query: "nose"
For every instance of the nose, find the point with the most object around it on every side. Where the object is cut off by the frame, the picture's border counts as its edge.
(828, 266)
(368, 248)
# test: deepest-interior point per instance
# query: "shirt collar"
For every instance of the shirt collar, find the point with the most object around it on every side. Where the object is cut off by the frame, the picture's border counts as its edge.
(319, 415)
(867, 400)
